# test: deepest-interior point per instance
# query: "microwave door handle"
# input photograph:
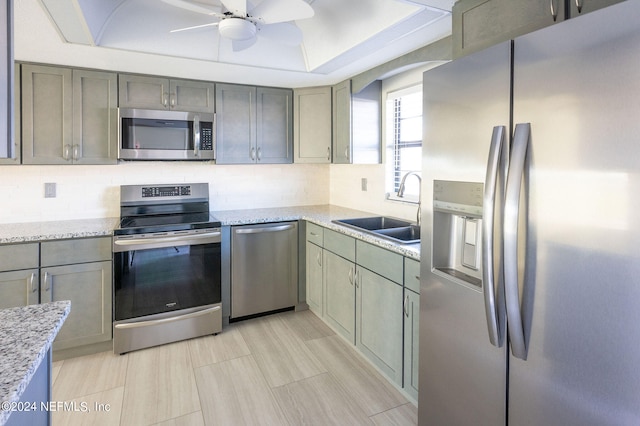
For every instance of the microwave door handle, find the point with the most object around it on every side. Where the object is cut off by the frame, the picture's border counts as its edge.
(196, 139)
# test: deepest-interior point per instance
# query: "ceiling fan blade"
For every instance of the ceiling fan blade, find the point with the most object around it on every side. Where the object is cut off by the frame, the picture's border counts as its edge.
(238, 45)
(193, 7)
(284, 33)
(212, 24)
(237, 7)
(274, 11)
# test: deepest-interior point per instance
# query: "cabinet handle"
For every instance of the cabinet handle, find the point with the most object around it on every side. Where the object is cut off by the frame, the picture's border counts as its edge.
(32, 280)
(66, 151)
(173, 100)
(356, 280)
(46, 281)
(579, 5)
(328, 153)
(346, 152)
(165, 99)
(554, 9)
(253, 154)
(76, 152)
(259, 154)
(319, 259)
(405, 306)
(351, 276)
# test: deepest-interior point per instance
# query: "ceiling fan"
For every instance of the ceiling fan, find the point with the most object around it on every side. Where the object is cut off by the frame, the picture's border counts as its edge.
(241, 23)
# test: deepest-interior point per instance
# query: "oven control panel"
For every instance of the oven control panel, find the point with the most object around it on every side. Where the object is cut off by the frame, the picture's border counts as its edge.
(166, 191)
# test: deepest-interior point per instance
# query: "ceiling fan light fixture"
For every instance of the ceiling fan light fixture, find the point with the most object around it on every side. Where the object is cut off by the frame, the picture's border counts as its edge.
(237, 29)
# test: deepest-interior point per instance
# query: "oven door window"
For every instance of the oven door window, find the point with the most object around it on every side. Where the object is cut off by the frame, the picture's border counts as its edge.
(166, 279)
(143, 133)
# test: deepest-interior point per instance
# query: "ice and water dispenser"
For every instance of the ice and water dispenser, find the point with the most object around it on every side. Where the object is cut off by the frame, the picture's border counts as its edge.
(457, 231)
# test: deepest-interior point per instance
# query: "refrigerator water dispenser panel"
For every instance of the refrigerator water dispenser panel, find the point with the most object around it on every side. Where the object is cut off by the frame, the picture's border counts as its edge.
(457, 231)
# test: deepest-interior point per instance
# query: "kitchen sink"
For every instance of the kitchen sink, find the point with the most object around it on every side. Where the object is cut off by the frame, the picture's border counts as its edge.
(397, 230)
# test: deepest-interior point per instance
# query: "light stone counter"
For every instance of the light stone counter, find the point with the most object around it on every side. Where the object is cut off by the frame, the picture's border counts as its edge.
(322, 215)
(56, 230)
(26, 335)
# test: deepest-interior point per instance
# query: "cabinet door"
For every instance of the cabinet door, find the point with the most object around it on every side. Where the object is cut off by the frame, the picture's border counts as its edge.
(314, 278)
(196, 96)
(19, 288)
(340, 294)
(47, 133)
(411, 333)
(274, 126)
(88, 287)
(137, 91)
(580, 7)
(95, 117)
(477, 24)
(235, 124)
(13, 153)
(312, 125)
(379, 322)
(342, 123)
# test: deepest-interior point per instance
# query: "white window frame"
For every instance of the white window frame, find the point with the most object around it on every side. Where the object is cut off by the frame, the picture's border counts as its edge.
(394, 174)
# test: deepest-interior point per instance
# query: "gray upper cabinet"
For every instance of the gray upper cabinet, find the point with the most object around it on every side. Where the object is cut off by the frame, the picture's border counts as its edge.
(7, 147)
(477, 24)
(68, 116)
(579, 7)
(356, 124)
(13, 154)
(253, 125)
(312, 124)
(138, 91)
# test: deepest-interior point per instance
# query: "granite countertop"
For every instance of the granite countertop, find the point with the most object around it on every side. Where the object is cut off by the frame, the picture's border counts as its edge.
(322, 215)
(57, 230)
(26, 334)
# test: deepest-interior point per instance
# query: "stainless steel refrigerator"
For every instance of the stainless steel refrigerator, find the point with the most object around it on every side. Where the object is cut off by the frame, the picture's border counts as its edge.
(530, 292)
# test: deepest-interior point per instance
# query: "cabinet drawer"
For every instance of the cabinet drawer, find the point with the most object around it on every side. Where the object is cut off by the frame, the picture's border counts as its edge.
(412, 274)
(81, 250)
(19, 256)
(340, 244)
(380, 261)
(315, 233)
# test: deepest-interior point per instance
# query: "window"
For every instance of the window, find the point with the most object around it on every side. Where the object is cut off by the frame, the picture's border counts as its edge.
(404, 141)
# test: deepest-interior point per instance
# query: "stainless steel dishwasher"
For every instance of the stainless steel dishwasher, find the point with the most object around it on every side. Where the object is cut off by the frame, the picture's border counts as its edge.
(264, 268)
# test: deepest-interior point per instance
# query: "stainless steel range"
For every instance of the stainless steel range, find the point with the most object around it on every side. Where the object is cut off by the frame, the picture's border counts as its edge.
(167, 265)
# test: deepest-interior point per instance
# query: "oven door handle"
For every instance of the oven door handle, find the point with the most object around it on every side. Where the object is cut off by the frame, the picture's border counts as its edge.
(159, 242)
(138, 324)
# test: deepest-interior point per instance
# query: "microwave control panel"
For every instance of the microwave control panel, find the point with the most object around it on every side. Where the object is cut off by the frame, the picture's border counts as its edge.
(206, 136)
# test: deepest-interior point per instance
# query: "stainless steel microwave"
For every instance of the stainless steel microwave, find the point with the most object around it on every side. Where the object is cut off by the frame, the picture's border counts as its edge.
(165, 135)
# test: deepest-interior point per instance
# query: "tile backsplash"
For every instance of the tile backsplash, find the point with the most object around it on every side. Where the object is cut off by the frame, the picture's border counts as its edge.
(94, 191)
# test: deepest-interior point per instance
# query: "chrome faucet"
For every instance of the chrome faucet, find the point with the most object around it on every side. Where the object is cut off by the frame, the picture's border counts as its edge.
(400, 193)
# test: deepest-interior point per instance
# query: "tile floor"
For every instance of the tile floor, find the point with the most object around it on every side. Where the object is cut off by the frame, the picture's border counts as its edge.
(289, 368)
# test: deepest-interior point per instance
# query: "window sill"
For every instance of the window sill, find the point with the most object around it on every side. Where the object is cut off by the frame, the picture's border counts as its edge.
(408, 199)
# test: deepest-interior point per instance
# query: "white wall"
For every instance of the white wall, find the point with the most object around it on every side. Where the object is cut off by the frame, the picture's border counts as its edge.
(93, 191)
(346, 179)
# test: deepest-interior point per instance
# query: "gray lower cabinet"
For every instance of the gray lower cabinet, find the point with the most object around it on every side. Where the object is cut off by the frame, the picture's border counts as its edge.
(68, 116)
(254, 125)
(312, 124)
(339, 294)
(19, 282)
(147, 92)
(79, 270)
(411, 308)
(379, 322)
(314, 266)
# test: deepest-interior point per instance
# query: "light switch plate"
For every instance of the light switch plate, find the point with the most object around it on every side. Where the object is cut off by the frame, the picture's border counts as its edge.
(363, 183)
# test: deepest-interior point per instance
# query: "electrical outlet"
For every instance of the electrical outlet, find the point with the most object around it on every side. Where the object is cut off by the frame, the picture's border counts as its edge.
(50, 190)
(363, 183)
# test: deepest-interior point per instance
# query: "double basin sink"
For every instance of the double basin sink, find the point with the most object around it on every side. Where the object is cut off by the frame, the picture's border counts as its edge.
(396, 230)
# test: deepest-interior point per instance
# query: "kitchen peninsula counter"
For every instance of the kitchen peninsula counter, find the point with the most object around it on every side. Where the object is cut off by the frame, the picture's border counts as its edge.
(26, 335)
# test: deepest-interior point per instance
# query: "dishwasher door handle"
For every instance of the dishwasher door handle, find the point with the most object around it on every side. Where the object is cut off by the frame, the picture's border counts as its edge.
(265, 229)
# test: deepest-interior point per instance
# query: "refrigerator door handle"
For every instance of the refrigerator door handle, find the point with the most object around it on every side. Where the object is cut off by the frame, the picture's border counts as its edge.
(488, 241)
(521, 138)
